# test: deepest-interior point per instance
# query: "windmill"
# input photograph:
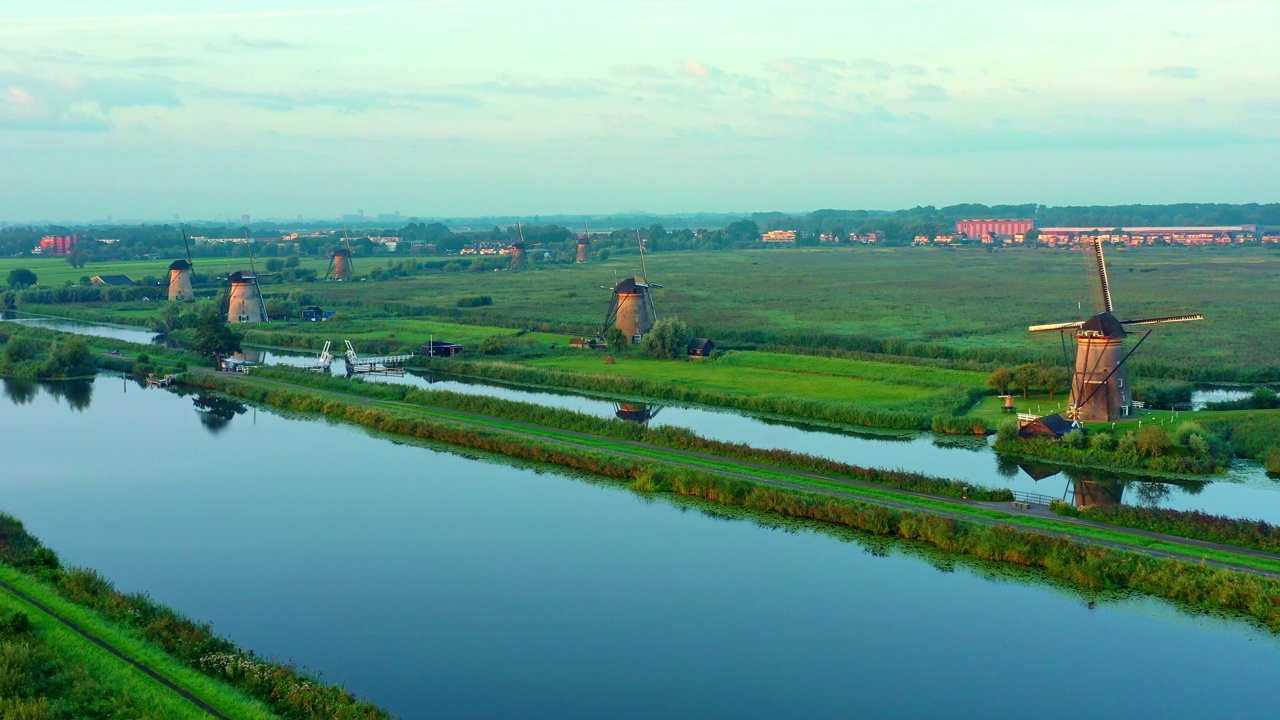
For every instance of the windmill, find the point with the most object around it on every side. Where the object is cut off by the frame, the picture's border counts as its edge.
(631, 309)
(583, 242)
(519, 259)
(340, 268)
(1100, 389)
(180, 275)
(244, 297)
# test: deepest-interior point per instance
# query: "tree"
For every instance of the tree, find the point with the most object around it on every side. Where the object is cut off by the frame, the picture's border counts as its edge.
(1000, 380)
(669, 339)
(70, 358)
(616, 340)
(215, 338)
(1054, 379)
(77, 258)
(21, 277)
(1024, 376)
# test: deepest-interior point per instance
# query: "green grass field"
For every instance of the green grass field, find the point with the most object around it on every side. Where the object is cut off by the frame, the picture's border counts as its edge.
(755, 373)
(958, 298)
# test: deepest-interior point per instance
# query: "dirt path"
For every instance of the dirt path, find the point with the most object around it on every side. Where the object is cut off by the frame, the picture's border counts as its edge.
(114, 651)
(487, 421)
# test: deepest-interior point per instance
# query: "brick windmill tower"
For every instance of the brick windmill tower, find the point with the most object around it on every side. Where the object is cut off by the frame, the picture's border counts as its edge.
(180, 276)
(340, 268)
(1100, 390)
(584, 241)
(516, 251)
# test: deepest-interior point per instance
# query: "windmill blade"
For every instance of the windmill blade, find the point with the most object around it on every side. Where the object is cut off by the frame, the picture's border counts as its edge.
(1098, 266)
(329, 272)
(346, 239)
(249, 243)
(187, 245)
(644, 273)
(610, 316)
(1055, 326)
(1168, 319)
(520, 231)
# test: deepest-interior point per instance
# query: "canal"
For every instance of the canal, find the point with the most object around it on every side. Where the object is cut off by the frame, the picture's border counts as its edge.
(441, 585)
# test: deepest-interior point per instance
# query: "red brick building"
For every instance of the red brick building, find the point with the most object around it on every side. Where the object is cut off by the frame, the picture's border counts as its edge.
(977, 229)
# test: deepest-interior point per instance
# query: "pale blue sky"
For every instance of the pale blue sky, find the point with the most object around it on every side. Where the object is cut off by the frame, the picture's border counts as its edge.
(449, 108)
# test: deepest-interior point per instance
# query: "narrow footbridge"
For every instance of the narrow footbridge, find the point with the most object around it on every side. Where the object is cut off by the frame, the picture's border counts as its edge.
(381, 365)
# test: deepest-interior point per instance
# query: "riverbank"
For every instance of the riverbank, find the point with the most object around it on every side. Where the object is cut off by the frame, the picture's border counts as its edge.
(153, 657)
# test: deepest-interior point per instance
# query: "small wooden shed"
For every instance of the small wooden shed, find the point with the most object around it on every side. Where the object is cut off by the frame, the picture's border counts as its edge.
(701, 348)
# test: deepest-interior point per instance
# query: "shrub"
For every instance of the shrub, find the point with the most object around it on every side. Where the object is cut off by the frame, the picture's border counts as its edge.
(1076, 440)
(1153, 441)
(1007, 430)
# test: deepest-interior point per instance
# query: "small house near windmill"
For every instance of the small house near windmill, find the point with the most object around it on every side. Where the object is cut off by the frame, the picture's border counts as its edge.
(1049, 426)
(701, 348)
(315, 313)
(116, 280)
(440, 348)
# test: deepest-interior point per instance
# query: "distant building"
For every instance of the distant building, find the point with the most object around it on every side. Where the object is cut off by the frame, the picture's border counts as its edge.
(779, 236)
(1151, 235)
(58, 245)
(983, 229)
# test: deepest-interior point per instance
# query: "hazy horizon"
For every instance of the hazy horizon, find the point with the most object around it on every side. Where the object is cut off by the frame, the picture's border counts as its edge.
(447, 109)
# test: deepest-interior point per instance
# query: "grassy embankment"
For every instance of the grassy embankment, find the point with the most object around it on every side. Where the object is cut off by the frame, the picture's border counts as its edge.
(1010, 539)
(848, 392)
(550, 444)
(184, 652)
(564, 426)
(51, 671)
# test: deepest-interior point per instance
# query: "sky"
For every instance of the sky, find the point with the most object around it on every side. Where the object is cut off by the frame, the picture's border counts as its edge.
(444, 108)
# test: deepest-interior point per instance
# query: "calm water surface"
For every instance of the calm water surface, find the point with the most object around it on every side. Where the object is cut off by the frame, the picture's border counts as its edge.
(444, 586)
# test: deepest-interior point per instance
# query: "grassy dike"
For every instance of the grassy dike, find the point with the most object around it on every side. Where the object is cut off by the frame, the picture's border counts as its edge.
(940, 409)
(183, 652)
(975, 531)
(51, 671)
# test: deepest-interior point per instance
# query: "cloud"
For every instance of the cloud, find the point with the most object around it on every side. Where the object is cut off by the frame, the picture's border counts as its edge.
(928, 92)
(349, 103)
(45, 57)
(240, 44)
(1176, 72)
(712, 80)
(76, 103)
(642, 71)
(572, 89)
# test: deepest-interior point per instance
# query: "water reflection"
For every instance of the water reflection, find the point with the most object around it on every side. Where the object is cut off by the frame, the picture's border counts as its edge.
(77, 393)
(216, 412)
(20, 392)
(636, 412)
